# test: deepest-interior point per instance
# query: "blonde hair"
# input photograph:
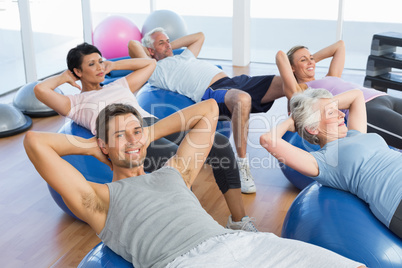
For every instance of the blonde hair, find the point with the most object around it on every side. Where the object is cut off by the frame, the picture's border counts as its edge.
(292, 51)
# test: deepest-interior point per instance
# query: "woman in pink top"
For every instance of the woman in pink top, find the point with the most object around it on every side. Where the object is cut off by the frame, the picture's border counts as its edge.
(85, 64)
(297, 69)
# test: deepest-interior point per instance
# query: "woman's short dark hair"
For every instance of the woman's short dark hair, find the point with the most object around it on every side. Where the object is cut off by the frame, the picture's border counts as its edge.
(75, 55)
(109, 112)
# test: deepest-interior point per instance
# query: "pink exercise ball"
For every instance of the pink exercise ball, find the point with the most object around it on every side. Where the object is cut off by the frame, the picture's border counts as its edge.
(112, 34)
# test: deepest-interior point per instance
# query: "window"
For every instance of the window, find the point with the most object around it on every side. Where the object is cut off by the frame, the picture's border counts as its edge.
(57, 27)
(136, 10)
(280, 25)
(12, 73)
(363, 19)
(213, 18)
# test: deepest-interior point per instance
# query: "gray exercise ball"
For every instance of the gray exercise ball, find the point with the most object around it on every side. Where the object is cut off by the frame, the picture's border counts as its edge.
(12, 121)
(26, 101)
(174, 24)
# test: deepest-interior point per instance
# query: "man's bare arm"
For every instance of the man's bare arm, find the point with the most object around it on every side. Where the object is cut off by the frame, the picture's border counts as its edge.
(201, 119)
(193, 42)
(137, 50)
(45, 151)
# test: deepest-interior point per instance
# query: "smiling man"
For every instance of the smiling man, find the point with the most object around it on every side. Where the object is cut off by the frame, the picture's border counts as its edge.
(154, 220)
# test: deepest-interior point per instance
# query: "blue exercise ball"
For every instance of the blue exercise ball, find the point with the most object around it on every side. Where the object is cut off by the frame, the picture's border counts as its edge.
(26, 101)
(12, 121)
(173, 23)
(296, 178)
(342, 222)
(102, 256)
(162, 103)
(91, 168)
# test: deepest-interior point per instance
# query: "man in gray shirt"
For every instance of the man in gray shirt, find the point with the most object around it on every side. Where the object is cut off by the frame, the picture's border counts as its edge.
(154, 220)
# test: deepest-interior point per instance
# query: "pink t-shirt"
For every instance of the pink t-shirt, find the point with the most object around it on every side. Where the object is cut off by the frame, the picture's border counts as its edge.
(86, 106)
(336, 86)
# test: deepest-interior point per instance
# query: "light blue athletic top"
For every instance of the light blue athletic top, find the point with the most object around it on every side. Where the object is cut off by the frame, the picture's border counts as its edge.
(184, 74)
(155, 218)
(364, 165)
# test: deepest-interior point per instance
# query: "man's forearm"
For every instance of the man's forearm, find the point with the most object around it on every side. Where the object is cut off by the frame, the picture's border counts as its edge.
(182, 120)
(137, 50)
(132, 64)
(187, 40)
(62, 144)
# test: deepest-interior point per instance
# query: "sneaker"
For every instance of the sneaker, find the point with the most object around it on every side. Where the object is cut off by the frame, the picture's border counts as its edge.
(246, 179)
(246, 224)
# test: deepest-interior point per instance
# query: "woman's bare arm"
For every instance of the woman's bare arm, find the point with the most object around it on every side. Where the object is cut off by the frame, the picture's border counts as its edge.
(287, 153)
(337, 52)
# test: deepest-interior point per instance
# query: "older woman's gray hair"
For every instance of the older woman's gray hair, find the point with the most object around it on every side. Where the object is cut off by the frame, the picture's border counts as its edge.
(305, 113)
(148, 41)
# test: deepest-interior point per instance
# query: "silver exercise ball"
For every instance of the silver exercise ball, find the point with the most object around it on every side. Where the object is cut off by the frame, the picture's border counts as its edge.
(174, 24)
(26, 101)
(12, 121)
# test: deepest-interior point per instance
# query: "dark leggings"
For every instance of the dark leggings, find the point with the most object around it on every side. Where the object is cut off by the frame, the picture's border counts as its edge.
(221, 157)
(396, 222)
(384, 117)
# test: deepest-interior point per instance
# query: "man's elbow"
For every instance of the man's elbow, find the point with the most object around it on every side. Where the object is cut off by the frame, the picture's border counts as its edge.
(201, 36)
(133, 43)
(212, 107)
(133, 47)
(265, 140)
(214, 104)
(153, 63)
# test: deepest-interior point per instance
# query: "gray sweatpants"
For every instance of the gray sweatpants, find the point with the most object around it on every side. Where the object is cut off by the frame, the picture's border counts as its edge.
(259, 250)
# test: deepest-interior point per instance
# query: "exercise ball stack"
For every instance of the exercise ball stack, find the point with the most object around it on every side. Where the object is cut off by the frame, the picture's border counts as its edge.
(173, 23)
(112, 35)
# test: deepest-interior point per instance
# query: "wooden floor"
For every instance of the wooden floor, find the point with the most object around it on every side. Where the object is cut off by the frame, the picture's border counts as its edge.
(35, 232)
